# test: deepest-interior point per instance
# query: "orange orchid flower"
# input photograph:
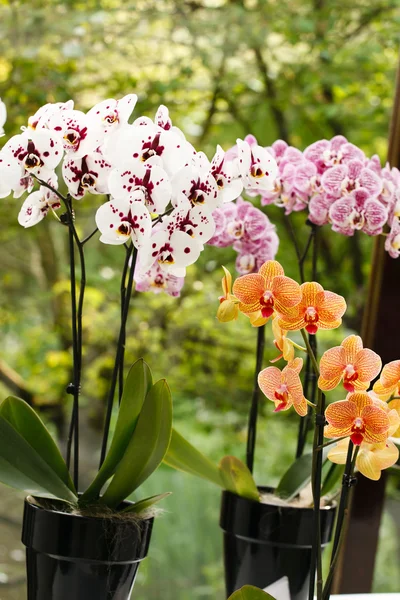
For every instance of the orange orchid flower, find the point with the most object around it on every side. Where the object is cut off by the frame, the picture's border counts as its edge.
(283, 343)
(371, 458)
(392, 409)
(228, 309)
(284, 388)
(358, 418)
(389, 381)
(266, 291)
(318, 309)
(357, 366)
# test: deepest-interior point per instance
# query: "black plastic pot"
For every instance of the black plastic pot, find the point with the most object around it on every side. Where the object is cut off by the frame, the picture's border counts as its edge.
(84, 558)
(265, 542)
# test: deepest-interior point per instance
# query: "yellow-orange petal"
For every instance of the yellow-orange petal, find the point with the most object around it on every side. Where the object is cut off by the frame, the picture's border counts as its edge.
(296, 364)
(390, 375)
(333, 432)
(394, 423)
(341, 414)
(368, 364)
(360, 399)
(332, 363)
(277, 331)
(351, 345)
(384, 393)
(293, 382)
(329, 384)
(227, 311)
(292, 321)
(269, 270)
(269, 380)
(394, 405)
(330, 310)
(338, 453)
(226, 282)
(373, 458)
(301, 407)
(257, 319)
(286, 292)
(249, 289)
(376, 424)
(311, 293)
(288, 350)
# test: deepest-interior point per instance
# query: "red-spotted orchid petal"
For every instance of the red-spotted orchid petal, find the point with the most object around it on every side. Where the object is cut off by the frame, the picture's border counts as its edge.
(121, 220)
(200, 188)
(38, 152)
(151, 181)
(36, 207)
(257, 167)
(87, 174)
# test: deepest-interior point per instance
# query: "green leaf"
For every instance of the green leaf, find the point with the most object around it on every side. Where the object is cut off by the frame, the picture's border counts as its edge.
(182, 456)
(137, 385)
(238, 479)
(23, 467)
(143, 505)
(297, 477)
(29, 425)
(147, 446)
(249, 592)
(332, 478)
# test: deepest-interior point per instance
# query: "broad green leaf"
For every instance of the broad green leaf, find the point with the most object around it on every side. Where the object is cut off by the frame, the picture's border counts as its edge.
(249, 592)
(29, 425)
(183, 456)
(144, 504)
(238, 479)
(147, 446)
(23, 468)
(332, 478)
(137, 385)
(297, 477)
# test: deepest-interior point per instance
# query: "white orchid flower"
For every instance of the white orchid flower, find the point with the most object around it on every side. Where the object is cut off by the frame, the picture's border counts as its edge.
(121, 220)
(87, 174)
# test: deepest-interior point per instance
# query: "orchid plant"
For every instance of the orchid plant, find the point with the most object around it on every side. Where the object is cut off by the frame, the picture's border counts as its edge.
(361, 428)
(336, 184)
(159, 195)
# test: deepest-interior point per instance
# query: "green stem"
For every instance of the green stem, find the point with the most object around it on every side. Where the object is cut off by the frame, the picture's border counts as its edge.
(310, 352)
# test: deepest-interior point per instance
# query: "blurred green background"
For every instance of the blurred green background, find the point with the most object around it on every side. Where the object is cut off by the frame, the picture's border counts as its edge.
(294, 69)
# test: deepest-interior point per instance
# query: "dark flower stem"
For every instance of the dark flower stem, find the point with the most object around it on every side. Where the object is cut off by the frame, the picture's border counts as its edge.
(128, 256)
(252, 424)
(316, 479)
(119, 355)
(348, 482)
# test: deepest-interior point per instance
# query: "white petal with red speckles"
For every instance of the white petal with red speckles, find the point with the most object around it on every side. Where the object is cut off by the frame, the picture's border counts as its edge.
(152, 180)
(199, 187)
(87, 174)
(119, 220)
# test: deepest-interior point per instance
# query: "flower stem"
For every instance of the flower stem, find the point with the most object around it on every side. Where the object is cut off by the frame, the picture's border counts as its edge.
(347, 482)
(128, 256)
(77, 338)
(118, 357)
(310, 351)
(316, 477)
(252, 424)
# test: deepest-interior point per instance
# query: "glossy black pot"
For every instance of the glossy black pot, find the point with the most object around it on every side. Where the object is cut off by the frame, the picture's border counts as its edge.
(84, 558)
(264, 543)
